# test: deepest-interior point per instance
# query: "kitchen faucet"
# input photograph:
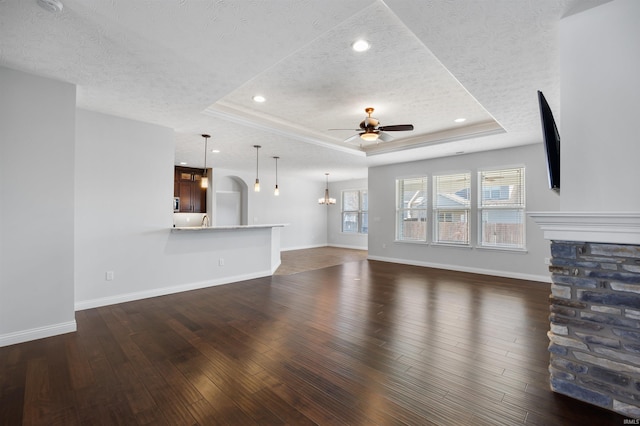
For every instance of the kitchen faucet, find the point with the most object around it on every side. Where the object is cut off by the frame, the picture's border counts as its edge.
(205, 221)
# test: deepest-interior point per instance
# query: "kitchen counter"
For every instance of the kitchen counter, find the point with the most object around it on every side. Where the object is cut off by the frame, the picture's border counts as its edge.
(224, 228)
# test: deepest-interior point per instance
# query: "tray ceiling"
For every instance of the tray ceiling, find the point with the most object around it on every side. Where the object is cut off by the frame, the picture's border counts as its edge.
(194, 66)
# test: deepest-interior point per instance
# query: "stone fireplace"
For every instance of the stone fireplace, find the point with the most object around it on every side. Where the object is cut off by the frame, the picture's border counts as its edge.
(594, 335)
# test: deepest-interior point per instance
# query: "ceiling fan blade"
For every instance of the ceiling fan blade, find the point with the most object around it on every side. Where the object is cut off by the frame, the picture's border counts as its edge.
(384, 137)
(354, 138)
(351, 130)
(396, 128)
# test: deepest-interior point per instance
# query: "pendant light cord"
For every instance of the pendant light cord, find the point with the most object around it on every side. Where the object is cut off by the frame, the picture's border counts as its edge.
(257, 147)
(206, 140)
(205, 155)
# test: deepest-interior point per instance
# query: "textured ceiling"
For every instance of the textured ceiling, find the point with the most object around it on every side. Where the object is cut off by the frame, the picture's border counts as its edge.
(195, 65)
(328, 85)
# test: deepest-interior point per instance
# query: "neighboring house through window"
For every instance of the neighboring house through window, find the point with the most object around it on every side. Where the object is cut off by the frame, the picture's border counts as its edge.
(499, 205)
(411, 209)
(451, 208)
(501, 208)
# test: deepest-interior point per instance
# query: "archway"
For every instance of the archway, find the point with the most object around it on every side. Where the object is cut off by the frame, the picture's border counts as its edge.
(231, 201)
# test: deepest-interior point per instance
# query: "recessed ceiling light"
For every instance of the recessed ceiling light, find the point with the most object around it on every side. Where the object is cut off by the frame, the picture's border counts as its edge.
(360, 45)
(460, 120)
(259, 98)
(215, 151)
(182, 163)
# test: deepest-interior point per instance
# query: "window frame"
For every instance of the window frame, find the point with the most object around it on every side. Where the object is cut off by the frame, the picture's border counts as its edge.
(360, 213)
(401, 210)
(451, 210)
(518, 207)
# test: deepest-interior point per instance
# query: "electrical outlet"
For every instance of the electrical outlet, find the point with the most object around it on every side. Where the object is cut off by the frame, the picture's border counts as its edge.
(108, 276)
(547, 261)
(221, 262)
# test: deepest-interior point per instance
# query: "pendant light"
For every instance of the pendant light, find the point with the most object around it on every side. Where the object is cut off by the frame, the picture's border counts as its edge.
(276, 191)
(256, 186)
(204, 182)
(326, 199)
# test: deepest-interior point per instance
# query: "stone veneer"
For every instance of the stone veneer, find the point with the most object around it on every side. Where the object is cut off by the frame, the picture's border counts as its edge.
(595, 324)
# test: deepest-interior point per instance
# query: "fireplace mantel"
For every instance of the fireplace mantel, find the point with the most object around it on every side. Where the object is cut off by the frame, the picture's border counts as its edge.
(598, 227)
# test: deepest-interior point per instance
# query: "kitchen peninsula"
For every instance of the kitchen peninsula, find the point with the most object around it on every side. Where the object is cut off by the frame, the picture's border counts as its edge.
(225, 227)
(239, 251)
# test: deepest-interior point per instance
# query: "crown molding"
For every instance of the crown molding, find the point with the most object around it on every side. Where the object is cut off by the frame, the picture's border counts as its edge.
(276, 126)
(597, 227)
(450, 135)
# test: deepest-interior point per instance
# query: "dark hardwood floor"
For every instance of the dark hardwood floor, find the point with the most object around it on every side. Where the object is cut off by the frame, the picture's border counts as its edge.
(363, 343)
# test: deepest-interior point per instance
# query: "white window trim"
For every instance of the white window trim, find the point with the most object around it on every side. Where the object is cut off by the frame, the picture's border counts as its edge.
(398, 210)
(359, 212)
(479, 242)
(435, 210)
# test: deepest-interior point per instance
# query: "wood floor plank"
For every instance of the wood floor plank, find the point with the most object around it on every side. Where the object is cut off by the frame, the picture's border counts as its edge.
(225, 408)
(301, 396)
(37, 400)
(79, 368)
(331, 341)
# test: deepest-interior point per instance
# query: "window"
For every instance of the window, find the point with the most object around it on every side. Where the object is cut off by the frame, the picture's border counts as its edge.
(501, 208)
(411, 209)
(364, 212)
(355, 215)
(451, 208)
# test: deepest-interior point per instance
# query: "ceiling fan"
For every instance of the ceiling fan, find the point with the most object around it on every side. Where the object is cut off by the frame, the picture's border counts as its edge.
(370, 129)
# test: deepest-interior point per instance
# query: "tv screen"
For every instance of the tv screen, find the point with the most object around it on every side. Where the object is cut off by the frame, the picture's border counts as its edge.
(551, 142)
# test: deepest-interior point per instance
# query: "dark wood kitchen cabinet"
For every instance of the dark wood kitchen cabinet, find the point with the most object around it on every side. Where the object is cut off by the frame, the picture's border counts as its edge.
(187, 187)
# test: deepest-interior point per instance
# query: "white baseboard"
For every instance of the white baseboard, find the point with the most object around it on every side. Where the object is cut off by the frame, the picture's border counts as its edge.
(325, 245)
(274, 268)
(303, 247)
(37, 333)
(129, 297)
(349, 247)
(481, 271)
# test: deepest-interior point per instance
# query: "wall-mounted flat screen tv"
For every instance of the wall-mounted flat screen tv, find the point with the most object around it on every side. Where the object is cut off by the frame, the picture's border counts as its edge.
(551, 142)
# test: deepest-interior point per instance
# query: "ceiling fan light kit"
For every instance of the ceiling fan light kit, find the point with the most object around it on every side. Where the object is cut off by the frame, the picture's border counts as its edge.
(369, 136)
(370, 129)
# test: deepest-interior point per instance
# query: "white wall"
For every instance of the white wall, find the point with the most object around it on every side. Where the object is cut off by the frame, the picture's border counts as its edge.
(36, 206)
(230, 196)
(124, 216)
(529, 265)
(297, 205)
(600, 94)
(124, 182)
(124, 185)
(335, 236)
